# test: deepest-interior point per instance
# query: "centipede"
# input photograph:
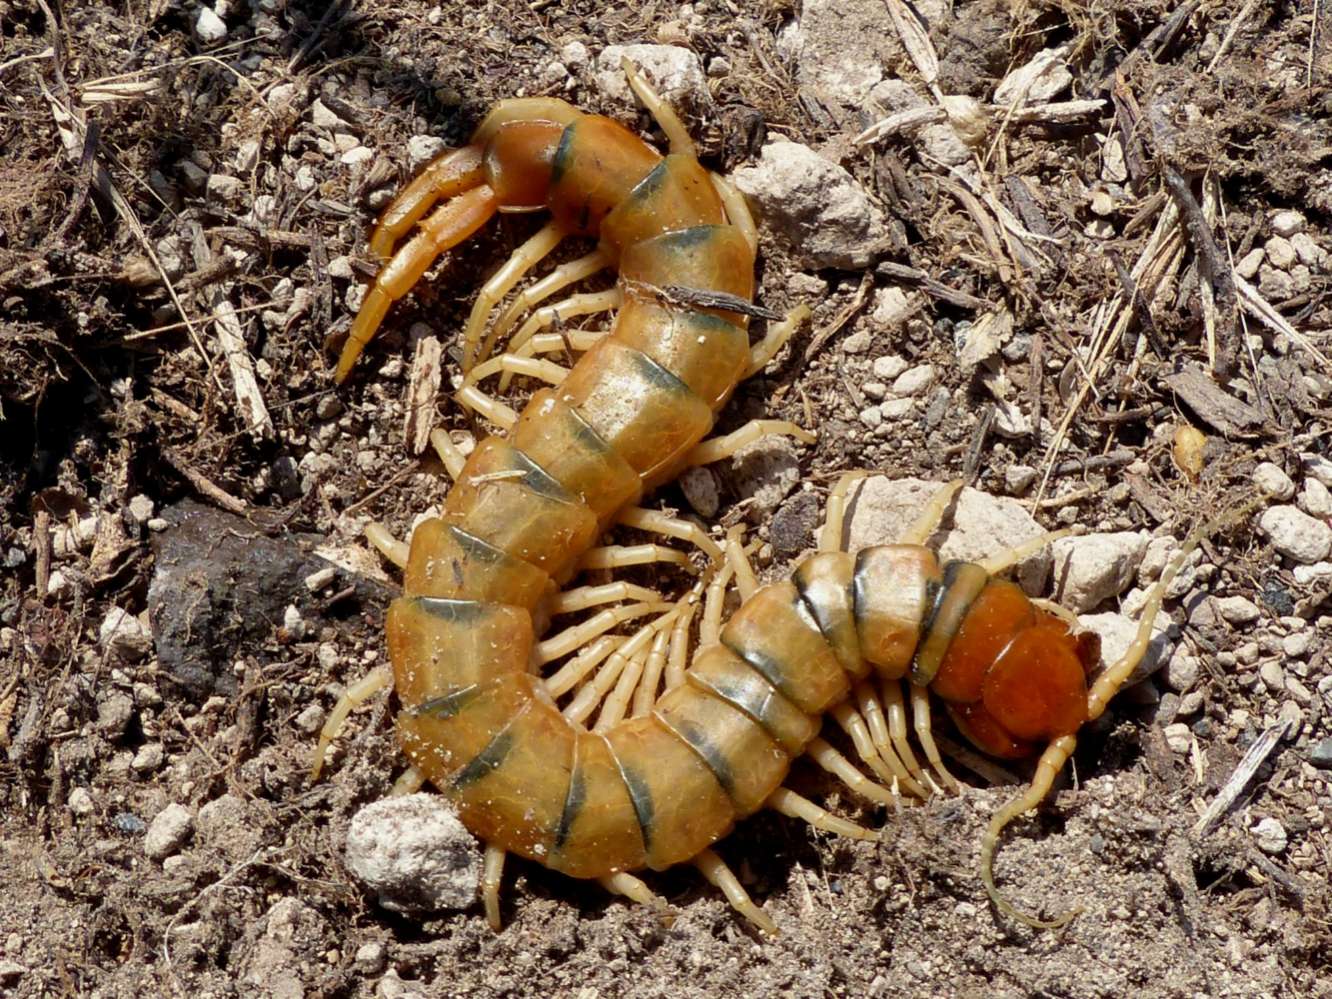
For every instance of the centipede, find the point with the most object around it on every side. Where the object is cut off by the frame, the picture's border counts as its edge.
(686, 743)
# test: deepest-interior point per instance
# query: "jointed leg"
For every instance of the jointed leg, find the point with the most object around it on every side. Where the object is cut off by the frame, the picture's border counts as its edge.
(830, 538)
(1010, 557)
(745, 580)
(787, 802)
(624, 883)
(880, 735)
(920, 711)
(512, 364)
(889, 769)
(454, 460)
(715, 870)
(409, 781)
(927, 522)
(766, 349)
(619, 556)
(386, 544)
(724, 447)
(491, 875)
(823, 753)
(579, 635)
(492, 409)
(672, 527)
(584, 597)
(584, 304)
(665, 114)
(357, 694)
(500, 284)
(557, 280)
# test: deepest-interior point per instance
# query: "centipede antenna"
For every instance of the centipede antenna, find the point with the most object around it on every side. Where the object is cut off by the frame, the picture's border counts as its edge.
(665, 115)
(830, 538)
(1010, 557)
(1052, 760)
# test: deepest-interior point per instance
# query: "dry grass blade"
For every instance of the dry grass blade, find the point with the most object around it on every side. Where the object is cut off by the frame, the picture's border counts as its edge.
(231, 338)
(422, 391)
(917, 43)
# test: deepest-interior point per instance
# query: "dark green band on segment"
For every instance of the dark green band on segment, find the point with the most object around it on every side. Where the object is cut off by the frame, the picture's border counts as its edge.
(640, 796)
(454, 611)
(691, 238)
(707, 750)
(961, 585)
(573, 804)
(837, 629)
(587, 436)
(656, 376)
(539, 480)
(484, 762)
(649, 185)
(447, 705)
(749, 699)
(560, 161)
(771, 670)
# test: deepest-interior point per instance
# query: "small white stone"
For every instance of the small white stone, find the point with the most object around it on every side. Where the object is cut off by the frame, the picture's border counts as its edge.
(914, 381)
(895, 409)
(224, 186)
(574, 55)
(293, 622)
(1272, 480)
(1249, 263)
(210, 28)
(1094, 567)
(1270, 835)
(357, 155)
(871, 417)
(700, 488)
(874, 390)
(421, 149)
(148, 758)
(125, 635)
(80, 802)
(1019, 478)
(168, 831)
(370, 957)
(1295, 534)
(1181, 672)
(1297, 645)
(1316, 499)
(1319, 467)
(1309, 252)
(1280, 253)
(340, 267)
(322, 116)
(414, 853)
(1287, 223)
(1178, 737)
(320, 578)
(1273, 676)
(311, 720)
(141, 508)
(675, 72)
(1237, 610)
(887, 368)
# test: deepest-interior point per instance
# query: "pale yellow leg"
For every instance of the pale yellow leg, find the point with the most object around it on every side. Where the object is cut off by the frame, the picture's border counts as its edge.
(720, 876)
(710, 630)
(1010, 557)
(745, 580)
(920, 711)
(672, 527)
(737, 211)
(635, 650)
(380, 678)
(624, 883)
(386, 544)
(515, 364)
(583, 597)
(572, 673)
(724, 447)
(854, 725)
(492, 409)
(880, 735)
(491, 875)
(678, 660)
(787, 802)
(565, 340)
(766, 349)
(830, 538)
(579, 635)
(409, 781)
(619, 556)
(454, 460)
(930, 517)
(823, 753)
(666, 117)
(557, 280)
(615, 705)
(645, 695)
(500, 284)
(895, 709)
(586, 304)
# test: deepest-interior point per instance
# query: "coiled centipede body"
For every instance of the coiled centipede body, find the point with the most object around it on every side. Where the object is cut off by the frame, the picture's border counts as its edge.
(864, 637)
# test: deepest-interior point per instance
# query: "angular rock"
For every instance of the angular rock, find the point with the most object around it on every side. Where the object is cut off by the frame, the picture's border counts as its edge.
(1295, 534)
(221, 584)
(673, 71)
(168, 831)
(414, 854)
(1095, 567)
(766, 471)
(814, 207)
(979, 525)
(841, 48)
(1117, 632)
(124, 635)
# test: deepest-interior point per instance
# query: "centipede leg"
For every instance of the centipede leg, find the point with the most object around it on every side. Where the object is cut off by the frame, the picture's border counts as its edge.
(671, 527)
(724, 447)
(928, 520)
(786, 802)
(514, 364)
(584, 597)
(448, 226)
(386, 544)
(920, 713)
(766, 349)
(709, 632)
(623, 658)
(830, 537)
(557, 280)
(632, 888)
(492, 409)
(500, 284)
(664, 114)
(894, 710)
(453, 458)
(874, 747)
(353, 697)
(745, 580)
(616, 705)
(492, 873)
(409, 781)
(720, 876)
(567, 341)
(826, 756)
(576, 637)
(620, 556)
(584, 304)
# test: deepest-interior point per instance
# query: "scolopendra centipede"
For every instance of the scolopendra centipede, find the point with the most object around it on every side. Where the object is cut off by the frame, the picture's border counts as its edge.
(844, 636)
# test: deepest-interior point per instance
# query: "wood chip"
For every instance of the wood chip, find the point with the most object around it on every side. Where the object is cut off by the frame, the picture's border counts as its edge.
(1239, 780)
(248, 397)
(422, 391)
(1216, 407)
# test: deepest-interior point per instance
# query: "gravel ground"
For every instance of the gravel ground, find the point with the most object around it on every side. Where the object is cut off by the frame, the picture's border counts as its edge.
(1112, 314)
